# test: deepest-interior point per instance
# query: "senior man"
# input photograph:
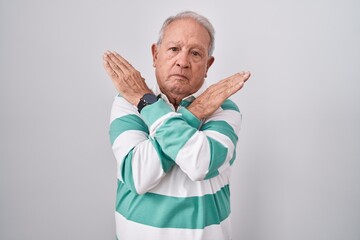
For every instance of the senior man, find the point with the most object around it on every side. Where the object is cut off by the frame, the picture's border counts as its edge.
(175, 143)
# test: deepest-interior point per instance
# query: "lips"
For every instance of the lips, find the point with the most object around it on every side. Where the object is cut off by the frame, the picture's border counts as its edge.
(179, 76)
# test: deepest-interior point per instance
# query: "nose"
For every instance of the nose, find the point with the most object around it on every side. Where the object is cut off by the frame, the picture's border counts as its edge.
(182, 60)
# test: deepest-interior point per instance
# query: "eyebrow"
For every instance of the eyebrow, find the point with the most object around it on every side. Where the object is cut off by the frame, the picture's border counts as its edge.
(191, 46)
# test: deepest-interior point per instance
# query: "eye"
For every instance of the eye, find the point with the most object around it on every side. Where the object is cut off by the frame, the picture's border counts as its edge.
(173, 49)
(196, 53)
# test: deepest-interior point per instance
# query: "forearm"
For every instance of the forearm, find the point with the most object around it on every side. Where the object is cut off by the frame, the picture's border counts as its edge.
(215, 95)
(140, 163)
(200, 154)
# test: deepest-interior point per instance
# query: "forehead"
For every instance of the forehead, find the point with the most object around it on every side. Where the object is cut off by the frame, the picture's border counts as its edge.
(186, 31)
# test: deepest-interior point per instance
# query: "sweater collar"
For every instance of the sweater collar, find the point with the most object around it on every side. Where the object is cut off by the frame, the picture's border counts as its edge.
(188, 99)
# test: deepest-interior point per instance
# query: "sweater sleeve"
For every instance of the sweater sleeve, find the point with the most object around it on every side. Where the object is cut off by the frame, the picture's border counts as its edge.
(141, 164)
(202, 151)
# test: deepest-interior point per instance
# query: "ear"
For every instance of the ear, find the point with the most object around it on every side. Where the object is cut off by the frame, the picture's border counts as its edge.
(210, 61)
(154, 51)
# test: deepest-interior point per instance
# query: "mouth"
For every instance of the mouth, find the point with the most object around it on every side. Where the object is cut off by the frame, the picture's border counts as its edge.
(179, 76)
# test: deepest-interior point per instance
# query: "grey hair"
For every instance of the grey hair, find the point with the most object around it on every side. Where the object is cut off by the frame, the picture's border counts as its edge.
(203, 21)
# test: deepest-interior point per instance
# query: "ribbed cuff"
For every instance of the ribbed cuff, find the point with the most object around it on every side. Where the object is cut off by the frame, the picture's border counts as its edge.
(190, 118)
(153, 112)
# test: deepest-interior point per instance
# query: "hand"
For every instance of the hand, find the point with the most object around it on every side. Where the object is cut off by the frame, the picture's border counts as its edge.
(127, 80)
(210, 100)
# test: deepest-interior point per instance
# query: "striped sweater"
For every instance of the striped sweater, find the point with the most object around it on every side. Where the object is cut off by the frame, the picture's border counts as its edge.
(173, 170)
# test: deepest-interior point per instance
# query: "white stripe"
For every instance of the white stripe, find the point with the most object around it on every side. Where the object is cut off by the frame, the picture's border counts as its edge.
(147, 168)
(194, 157)
(121, 107)
(127, 230)
(224, 167)
(124, 143)
(230, 116)
(160, 121)
(185, 187)
(224, 140)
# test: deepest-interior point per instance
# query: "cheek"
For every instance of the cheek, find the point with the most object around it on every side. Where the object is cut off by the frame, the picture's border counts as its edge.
(200, 70)
(165, 58)
(162, 70)
(164, 66)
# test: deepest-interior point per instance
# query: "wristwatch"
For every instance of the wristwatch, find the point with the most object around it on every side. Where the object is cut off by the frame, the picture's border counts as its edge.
(147, 99)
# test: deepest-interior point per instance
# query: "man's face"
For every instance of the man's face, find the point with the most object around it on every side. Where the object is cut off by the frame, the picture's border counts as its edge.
(181, 61)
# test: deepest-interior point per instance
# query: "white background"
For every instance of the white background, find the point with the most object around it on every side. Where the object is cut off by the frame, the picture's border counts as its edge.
(297, 173)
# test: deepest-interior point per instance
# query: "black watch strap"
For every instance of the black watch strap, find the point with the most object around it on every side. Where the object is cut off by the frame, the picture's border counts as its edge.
(147, 99)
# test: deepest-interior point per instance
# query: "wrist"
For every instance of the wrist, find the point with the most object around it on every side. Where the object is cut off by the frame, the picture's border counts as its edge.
(196, 110)
(145, 100)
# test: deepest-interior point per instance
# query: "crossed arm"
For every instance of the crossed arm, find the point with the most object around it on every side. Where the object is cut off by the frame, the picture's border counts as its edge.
(146, 147)
(131, 85)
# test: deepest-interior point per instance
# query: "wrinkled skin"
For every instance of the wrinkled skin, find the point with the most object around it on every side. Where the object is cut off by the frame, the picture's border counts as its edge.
(181, 63)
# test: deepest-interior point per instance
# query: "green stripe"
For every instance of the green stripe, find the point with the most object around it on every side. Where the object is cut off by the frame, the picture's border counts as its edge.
(233, 158)
(216, 172)
(173, 212)
(173, 134)
(218, 152)
(166, 162)
(185, 103)
(212, 174)
(126, 171)
(230, 105)
(221, 127)
(218, 156)
(153, 112)
(190, 118)
(125, 123)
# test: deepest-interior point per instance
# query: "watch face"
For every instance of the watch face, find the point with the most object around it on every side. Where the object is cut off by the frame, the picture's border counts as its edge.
(149, 98)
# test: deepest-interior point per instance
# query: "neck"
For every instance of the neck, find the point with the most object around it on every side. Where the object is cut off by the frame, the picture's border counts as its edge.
(175, 101)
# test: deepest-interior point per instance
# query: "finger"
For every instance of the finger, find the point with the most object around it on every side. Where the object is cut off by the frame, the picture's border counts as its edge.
(108, 68)
(116, 67)
(232, 84)
(223, 89)
(232, 81)
(246, 75)
(242, 76)
(110, 71)
(123, 60)
(120, 62)
(238, 78)
(130, 74)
